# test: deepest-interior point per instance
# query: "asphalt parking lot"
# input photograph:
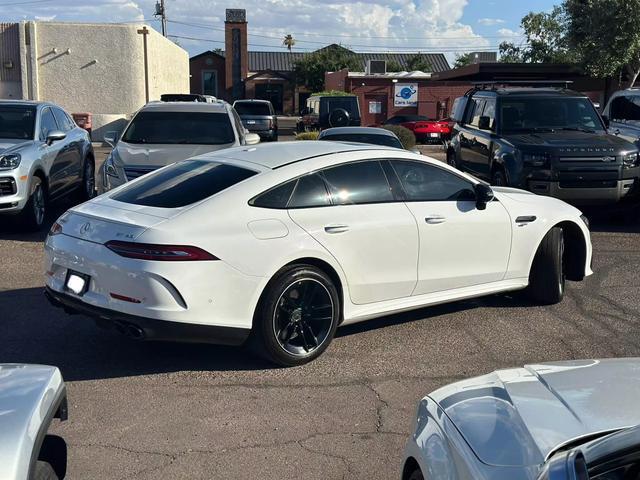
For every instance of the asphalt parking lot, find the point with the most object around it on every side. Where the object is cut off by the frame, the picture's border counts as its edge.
(161, 410)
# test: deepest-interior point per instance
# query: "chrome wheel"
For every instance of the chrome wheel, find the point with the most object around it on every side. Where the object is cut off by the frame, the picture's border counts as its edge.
(303, 317)
(561, 273)
(39, 204)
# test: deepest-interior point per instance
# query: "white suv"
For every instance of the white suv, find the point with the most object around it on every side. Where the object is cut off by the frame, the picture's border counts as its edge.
(161, 133)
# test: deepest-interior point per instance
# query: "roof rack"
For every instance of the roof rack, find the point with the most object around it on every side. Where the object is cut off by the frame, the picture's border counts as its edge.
(493, 84)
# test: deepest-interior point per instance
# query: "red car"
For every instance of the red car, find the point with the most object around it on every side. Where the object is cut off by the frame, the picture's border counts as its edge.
(425, 130)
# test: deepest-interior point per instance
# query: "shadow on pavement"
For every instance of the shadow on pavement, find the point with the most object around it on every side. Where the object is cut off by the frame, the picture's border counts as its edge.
(11, 229)
(32, 331)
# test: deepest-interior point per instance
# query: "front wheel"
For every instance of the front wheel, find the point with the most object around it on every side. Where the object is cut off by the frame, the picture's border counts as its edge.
(451, 159)
(87, 188)
(498, 178)
(44, 471)
(297, 317)
(34, 211)
(547, 276)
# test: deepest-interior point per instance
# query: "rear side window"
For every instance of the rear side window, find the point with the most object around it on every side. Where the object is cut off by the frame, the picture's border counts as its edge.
(310, 191)
(277, 197)
(182, 184)
(354, 183)
(427, 183)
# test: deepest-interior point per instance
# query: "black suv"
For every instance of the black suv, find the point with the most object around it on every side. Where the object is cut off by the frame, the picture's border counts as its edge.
(550, 141)
(325, 111)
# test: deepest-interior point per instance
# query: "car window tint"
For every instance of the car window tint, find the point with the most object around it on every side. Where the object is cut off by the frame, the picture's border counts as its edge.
(239, 126)
(252, 108)
(427, 183)
(625, 108)
(17, 121)
(490, 111)
(475, 112)
(361, 182)
(310, 191)
(372, 139)
(61, 119)
(47, 123)
(277, 197)
(182, 183)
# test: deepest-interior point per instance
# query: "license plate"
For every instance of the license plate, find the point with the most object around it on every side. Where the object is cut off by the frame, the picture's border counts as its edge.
(251, 122)
(77, 282)
(434, 135)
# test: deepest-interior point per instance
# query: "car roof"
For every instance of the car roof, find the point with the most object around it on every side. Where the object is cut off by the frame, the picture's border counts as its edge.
(356, 130)
(333, 96)
(251, 100)
(218, 107)
(275, 155)
(31, 103)
(532, 91)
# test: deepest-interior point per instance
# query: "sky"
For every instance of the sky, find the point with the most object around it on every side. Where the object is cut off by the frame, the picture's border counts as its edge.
(448, 26)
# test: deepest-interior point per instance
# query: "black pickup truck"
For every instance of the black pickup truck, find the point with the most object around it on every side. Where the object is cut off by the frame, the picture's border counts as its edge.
(550, 141)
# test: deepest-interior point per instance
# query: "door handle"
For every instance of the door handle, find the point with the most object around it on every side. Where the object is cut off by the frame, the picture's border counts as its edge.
(336, 228)
(526, 219)
(434, 219)
(616, 131)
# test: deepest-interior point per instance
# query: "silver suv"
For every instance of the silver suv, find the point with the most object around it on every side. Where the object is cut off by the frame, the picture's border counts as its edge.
(44, 156)
(161, 133)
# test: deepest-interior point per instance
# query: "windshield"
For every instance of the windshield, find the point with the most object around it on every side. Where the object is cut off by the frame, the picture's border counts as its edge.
(548, 114)
(176, 128)
(252, 108)
(386, 140)
(17, 121)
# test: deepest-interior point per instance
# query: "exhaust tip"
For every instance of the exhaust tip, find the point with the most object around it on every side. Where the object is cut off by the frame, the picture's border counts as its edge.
(135, 332)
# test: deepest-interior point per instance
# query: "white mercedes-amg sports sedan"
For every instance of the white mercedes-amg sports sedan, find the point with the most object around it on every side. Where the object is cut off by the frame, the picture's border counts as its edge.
(279, 244)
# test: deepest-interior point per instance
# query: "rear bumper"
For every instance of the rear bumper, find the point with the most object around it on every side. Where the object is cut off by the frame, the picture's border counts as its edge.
(588, 195)
(143, 328)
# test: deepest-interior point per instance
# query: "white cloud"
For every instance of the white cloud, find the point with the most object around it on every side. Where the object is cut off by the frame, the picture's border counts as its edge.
(490, 22)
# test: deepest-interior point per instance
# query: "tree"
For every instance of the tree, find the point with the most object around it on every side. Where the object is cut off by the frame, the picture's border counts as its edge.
(462, 60)
(606, 36)
(419, 62)
(288, 42)
(393, 66)
(546, 40)
(309, 70)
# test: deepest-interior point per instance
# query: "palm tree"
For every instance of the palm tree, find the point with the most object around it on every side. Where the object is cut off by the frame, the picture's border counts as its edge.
(288, 41)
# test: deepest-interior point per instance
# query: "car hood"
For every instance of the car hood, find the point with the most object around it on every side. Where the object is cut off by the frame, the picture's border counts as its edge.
(152, 155)
(12, 146)
(28, 393)
(571, 139)
(518, 417)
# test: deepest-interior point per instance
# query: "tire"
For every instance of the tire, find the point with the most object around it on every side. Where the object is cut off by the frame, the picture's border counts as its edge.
(43, 471)
(499, 178)
(34, 212)
(288, 330)
(547, 275)
(87, 188)
(339, 118)
(416, 475)
(451, 159)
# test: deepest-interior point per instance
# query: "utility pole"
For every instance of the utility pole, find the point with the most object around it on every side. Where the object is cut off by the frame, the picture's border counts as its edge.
(162, 13)
(144, 32)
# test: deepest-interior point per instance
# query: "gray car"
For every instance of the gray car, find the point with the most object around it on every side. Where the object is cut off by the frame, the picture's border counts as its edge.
(44, 156)
(550, 421)
(258, 116)
(31, 396)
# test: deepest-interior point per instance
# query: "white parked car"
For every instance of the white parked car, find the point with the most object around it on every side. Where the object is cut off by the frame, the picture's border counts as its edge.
(161, 133)
(44, 156)
(287, 241)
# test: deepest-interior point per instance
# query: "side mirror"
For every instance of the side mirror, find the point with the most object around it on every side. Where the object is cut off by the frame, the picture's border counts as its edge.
(416, 150)
(54, 136)
(484, 123)
(251, 139)
(569, 465)
(605, 119)
(484, 195)
(110, 138)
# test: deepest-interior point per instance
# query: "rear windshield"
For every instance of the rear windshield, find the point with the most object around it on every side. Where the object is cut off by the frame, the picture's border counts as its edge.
(251, 108)
(386, 140)
(350, 104)
(180, 128)
(17, 121)
(182, 184)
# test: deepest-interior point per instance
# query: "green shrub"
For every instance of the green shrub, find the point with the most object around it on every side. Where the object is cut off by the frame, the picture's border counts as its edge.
(406, 136)
(313, 135)
(333, 93)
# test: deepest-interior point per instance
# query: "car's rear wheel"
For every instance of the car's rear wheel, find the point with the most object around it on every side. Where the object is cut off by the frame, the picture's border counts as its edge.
(34, 211)
(451, 159)
(547, 276)
(416, 475)
(87, 188)
(499, 178)
(297, 317)
(44, 471)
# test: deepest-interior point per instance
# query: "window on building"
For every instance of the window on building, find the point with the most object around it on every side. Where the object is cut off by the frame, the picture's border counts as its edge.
(210, 82)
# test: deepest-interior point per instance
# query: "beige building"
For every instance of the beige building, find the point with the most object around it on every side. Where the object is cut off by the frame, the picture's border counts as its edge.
(97, 68)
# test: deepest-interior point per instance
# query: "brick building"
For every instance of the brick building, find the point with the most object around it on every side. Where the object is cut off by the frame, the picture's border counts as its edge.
(236, 72)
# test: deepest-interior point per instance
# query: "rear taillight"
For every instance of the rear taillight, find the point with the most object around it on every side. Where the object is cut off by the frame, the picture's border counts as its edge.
(165, 253)
(55, 229)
